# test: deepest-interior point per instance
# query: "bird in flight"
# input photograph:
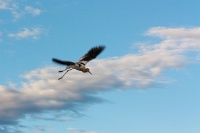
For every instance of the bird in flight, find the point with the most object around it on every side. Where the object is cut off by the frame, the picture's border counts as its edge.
(80, 65)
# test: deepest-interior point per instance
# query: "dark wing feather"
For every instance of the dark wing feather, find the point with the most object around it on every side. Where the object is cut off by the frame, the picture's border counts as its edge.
(68, 63)
(92, 54)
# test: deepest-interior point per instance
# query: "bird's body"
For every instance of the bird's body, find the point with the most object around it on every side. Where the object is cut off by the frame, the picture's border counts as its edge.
(80, 65)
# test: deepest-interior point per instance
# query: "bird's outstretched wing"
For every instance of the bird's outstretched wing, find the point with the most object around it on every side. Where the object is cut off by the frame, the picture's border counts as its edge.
(68, 63)
(92, 54)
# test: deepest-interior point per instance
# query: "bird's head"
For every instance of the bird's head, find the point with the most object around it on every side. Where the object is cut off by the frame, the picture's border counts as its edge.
(87, 70)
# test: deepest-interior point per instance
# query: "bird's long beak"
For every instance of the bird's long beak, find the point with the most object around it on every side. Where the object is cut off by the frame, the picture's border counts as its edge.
(90, 72)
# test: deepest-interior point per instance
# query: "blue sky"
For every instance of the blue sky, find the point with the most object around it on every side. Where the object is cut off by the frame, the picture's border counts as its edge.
(146, 80)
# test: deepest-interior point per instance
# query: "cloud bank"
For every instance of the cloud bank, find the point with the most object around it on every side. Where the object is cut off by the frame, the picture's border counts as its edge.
(42, 92)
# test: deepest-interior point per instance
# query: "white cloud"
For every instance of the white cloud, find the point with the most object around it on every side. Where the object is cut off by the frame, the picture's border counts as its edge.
(27, 33)
(17, 9)
(43, 92)
(7, 5)
(42, 128)
(32, 10)
(73, 129)
(175, 33)
(11, 6)
(80, 130)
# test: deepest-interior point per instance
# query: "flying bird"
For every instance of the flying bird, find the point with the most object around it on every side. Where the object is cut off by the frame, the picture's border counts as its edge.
(80, 65)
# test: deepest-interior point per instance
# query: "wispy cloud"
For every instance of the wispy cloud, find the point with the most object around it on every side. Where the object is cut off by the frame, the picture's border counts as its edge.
(8, 5)
(76, 130)
(1, 34)
(9, 129)
(55, 118)
(42, 128)
(17, 9)
(33, 11)
(43, 92)
(27, 33)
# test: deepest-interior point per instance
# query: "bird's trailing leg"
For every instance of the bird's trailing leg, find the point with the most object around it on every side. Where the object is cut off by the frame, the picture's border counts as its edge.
(65, 73)
(63, 70)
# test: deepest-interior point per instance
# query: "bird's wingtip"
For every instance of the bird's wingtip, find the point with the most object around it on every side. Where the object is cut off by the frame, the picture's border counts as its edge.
(54, 59)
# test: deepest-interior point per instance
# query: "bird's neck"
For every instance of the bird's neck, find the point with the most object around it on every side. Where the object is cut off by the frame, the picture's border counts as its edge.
(84, 70)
